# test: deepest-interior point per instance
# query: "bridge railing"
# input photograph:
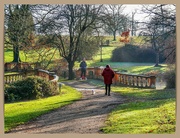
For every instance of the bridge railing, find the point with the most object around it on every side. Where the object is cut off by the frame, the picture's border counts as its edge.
(134, 80)
(121, 78)
(9, 78)
(49, 76)
(13, 66)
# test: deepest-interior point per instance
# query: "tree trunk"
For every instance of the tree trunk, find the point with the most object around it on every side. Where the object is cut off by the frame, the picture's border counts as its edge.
(70, 67)
(114, 34)
(16, 57)
(157, 59)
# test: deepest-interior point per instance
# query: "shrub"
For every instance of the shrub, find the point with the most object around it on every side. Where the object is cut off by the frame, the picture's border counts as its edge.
(9, 93)
(132, 53)
(28, 89)
(170, 78)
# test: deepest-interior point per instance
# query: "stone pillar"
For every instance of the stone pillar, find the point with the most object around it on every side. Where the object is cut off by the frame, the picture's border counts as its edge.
(152, 81)
(97, 72)
(78, 73)
(116, 78)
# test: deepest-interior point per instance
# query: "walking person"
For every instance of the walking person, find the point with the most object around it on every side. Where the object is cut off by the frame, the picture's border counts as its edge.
(83, 66)
(108, 75)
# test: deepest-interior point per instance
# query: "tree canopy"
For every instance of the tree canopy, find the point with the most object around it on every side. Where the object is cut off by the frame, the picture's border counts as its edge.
(71, 29)
(19, 28)
(161, 29)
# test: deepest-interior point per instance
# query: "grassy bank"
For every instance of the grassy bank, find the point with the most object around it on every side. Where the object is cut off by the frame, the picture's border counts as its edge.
(21, 112)
(106, 56)
(129, 67)
(33, 55)
(146, 111)
(156, 117)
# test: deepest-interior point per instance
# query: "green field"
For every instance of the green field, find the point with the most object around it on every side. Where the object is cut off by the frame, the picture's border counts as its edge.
(157, 117)
(145, 111)
(33, 55)
(53, 54)
(21, 112)
(107, 52)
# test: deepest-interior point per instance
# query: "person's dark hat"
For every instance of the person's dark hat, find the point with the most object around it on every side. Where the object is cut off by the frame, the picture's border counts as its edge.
(107, 66)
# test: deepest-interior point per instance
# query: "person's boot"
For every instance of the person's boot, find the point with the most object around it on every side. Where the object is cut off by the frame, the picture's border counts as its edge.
(109, 93)
(106, 92)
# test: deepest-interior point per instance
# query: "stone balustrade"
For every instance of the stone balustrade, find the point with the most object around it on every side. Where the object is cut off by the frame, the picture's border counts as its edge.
(134, 80)
(124, 79)
(50, 76)
(13, 66)
(12, 78)
(131, 80)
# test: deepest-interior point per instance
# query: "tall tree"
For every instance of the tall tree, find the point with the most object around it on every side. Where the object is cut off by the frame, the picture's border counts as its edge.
(160, 28)
(67, 26)
(113, 19)
(19, 28)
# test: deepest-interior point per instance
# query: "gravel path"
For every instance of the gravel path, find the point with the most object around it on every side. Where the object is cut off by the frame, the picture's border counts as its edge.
(84, 116)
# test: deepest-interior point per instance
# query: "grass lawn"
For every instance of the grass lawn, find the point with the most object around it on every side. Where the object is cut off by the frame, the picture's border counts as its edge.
(130, 67)
(33, 55)
(21, 112)
(106, 56)
(144, 68)
(145, 111)
(156, 117)
(8, 55)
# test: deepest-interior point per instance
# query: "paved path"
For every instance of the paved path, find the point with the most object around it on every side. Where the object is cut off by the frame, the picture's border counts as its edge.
(86, 115)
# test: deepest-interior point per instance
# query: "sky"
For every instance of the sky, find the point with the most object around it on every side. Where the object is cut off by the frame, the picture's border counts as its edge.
(130, 8)
(139, 15)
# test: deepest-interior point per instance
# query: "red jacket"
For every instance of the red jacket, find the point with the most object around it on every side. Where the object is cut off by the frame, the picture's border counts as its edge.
(108, 75)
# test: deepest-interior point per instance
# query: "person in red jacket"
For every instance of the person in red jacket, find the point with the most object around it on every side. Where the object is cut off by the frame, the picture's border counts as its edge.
(108, 75)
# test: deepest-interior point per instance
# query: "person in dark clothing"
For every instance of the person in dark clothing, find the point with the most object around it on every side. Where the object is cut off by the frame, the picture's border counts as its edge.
(108, 75)
(83, 66)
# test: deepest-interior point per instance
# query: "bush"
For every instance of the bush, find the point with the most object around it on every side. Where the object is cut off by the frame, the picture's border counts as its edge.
(9, 93)
(28, 89)
(170, 78)
(132, 53)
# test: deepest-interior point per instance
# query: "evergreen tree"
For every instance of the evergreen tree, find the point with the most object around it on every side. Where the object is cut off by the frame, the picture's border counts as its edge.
(19, 28)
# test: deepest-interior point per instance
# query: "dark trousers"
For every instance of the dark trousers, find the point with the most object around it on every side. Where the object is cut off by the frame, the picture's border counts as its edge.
(83, 72)
(108, 89)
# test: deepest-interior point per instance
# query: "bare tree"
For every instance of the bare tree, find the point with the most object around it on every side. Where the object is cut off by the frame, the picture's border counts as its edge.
(113, 19)
(66, 26)
(170, 50)
(161, 28)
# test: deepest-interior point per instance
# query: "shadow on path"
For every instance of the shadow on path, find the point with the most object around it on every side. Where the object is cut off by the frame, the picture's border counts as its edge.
(86, 115)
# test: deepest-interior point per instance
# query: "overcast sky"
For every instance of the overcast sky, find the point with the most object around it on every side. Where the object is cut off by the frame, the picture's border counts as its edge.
(130, 8)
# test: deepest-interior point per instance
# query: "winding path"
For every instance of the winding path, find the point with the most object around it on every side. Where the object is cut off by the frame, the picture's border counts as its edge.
(84, 116)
